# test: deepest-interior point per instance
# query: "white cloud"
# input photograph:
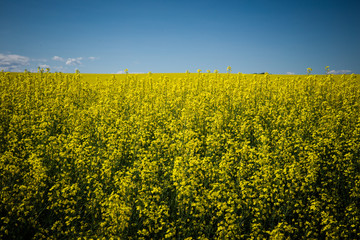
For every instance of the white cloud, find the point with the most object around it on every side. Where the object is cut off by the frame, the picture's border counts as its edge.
(340, 71)
(39, 60)
(44, 66)
(92, 58)
(123, 72)
(57, 58)
(13, 62)
(290, 73)
(74, 61)
(58, 68)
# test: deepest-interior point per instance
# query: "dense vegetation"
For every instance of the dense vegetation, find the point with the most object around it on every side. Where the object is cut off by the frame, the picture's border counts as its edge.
(198, 156)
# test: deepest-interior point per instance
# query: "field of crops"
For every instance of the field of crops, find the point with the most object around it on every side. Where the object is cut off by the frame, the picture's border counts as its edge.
(179, 156)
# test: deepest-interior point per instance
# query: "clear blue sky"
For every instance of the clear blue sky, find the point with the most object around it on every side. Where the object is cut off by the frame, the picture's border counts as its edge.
(251, 36)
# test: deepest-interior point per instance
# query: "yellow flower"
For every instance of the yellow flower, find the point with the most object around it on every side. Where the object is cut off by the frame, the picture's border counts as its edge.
(228, 69)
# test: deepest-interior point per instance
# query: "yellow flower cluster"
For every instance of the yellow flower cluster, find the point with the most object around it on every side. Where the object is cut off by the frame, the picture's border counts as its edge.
(179, 156)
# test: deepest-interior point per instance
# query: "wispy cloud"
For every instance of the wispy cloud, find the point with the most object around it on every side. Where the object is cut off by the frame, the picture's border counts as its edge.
(13, 62)
(92, 58)
(58, 68)
(44, 66)
(74, 61)
(340, 71)
(57, 58)
(39, 60)
(122, 72)
(290, 73)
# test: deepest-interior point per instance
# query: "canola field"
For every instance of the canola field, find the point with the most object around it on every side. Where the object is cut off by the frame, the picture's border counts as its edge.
(179, 156)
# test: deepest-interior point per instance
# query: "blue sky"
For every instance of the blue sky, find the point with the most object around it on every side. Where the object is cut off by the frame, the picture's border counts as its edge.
(251, 36)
